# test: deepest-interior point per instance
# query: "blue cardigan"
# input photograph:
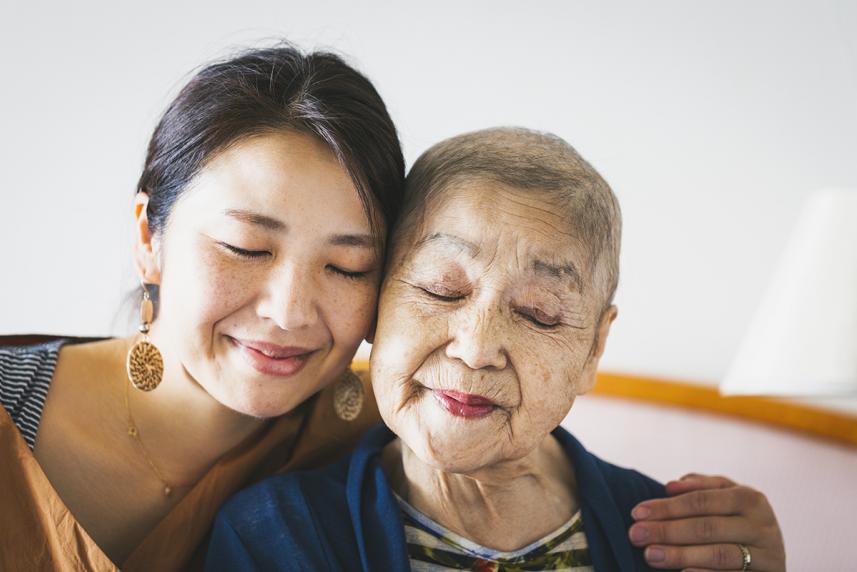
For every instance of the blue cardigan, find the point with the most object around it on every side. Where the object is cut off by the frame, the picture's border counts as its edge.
(345, 517)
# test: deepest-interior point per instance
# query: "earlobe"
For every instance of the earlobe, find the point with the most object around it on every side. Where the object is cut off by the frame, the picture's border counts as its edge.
(146, 255)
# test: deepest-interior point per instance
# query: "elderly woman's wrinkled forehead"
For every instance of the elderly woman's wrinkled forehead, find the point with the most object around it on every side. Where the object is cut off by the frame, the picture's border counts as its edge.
(487, 220)
(534, 167)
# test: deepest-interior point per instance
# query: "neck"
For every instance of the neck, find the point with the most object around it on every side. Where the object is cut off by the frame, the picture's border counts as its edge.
(505, 506)
(183, 428)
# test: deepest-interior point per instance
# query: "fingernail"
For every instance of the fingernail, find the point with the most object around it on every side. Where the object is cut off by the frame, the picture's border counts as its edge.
(639, 533)
(655, 554)
(641, 512)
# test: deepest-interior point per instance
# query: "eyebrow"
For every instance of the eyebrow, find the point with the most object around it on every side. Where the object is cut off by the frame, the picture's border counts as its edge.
(452, 240)
(255, 218)
(359, 240)
(566, 271)
(270, 223)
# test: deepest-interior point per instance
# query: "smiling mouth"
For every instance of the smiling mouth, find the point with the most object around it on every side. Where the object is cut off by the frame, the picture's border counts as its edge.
(272, 359)
(463, 404)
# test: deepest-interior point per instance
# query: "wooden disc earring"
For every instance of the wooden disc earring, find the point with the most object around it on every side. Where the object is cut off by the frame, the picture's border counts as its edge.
(348, 396)
(145, 364)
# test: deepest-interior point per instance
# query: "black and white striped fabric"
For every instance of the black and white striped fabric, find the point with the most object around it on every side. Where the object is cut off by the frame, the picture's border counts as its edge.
(25, 377)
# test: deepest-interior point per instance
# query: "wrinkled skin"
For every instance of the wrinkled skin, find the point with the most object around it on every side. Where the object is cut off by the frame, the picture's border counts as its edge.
(488, 297)
(475, 308)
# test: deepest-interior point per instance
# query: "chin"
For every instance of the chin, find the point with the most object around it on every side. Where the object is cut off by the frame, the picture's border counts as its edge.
(445, 449)
(261, 405)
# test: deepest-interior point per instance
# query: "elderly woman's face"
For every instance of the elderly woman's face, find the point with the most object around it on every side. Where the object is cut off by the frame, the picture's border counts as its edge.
(486, 328)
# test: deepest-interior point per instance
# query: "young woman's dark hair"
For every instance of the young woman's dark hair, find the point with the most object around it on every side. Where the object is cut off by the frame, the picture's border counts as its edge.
(264, 90)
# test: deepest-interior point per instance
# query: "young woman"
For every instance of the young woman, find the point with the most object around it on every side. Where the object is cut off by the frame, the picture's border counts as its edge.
(261, 218)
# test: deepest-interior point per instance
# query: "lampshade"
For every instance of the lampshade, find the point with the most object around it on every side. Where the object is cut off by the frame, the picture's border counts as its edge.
(803, 338)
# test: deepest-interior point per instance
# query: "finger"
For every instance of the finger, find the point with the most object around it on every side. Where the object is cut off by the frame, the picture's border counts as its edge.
(689, 531)
(692, 482)
(710, 557)
(731, 501)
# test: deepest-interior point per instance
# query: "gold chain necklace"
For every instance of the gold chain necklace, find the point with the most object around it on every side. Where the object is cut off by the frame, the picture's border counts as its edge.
(134, 433)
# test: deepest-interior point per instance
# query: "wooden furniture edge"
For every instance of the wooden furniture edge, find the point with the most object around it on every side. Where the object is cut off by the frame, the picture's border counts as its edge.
(780, 413)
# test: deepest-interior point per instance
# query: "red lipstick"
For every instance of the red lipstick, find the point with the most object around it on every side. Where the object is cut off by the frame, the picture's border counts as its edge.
(463, 404)
(272, 359)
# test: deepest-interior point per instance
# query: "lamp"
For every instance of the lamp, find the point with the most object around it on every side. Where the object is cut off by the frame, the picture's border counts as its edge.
(803, 339)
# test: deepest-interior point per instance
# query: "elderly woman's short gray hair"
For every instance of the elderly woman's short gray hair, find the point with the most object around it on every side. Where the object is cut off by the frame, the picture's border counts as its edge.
(534, 161)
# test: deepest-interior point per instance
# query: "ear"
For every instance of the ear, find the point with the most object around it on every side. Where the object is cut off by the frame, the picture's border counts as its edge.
(146, 247)
(587, 380)
(607, 318)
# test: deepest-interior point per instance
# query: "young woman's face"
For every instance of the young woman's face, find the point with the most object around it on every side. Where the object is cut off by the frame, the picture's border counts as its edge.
(269, 274)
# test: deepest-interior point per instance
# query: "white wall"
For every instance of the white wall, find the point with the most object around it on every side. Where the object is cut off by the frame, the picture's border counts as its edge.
(711, 119)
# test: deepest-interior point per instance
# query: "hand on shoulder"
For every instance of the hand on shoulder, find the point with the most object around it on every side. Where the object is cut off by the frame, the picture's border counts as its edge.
(703, 523)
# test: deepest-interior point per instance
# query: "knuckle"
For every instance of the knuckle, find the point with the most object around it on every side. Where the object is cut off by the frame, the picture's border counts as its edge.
(759, 499)
(756, 499)
(706, 529)
(721, 555)
(699, 502)
(677, 558)
(768, 535)
(656, 533)
(724, 483)
(746, 498)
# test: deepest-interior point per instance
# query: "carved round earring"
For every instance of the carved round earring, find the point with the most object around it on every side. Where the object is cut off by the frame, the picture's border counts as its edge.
(145, 364)
(348, 396)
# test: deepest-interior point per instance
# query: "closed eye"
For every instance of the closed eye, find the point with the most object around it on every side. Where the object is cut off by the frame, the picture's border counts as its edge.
(244, 253)
(347, 273)
(538, 318)
(442, 294)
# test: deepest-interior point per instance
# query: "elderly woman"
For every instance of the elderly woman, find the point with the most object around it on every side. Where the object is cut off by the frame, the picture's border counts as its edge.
(493, 316)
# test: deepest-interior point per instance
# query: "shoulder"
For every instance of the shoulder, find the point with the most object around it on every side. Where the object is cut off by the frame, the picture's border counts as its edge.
(627, 486)
(26, 372)
(305, 516)
(300, 517)
(23, 365)
(608, 494)
(286, 498)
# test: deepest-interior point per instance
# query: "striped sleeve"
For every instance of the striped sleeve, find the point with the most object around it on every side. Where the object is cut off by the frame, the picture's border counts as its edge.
(25, 377)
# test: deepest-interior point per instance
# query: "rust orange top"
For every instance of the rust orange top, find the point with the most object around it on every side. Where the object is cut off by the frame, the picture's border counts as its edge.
(40, 533)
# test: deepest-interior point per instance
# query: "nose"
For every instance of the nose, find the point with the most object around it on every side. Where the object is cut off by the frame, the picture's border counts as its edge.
(477, 339)
(290, 299)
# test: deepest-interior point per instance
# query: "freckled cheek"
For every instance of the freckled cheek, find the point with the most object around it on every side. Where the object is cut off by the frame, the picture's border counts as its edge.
(349, 309)
(547, 392)
(212, 288)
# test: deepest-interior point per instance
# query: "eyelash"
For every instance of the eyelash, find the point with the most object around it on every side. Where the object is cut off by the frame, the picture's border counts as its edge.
(254, 254)
(442, 297)
(527, 314)
(244, 253)
(346, 274)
